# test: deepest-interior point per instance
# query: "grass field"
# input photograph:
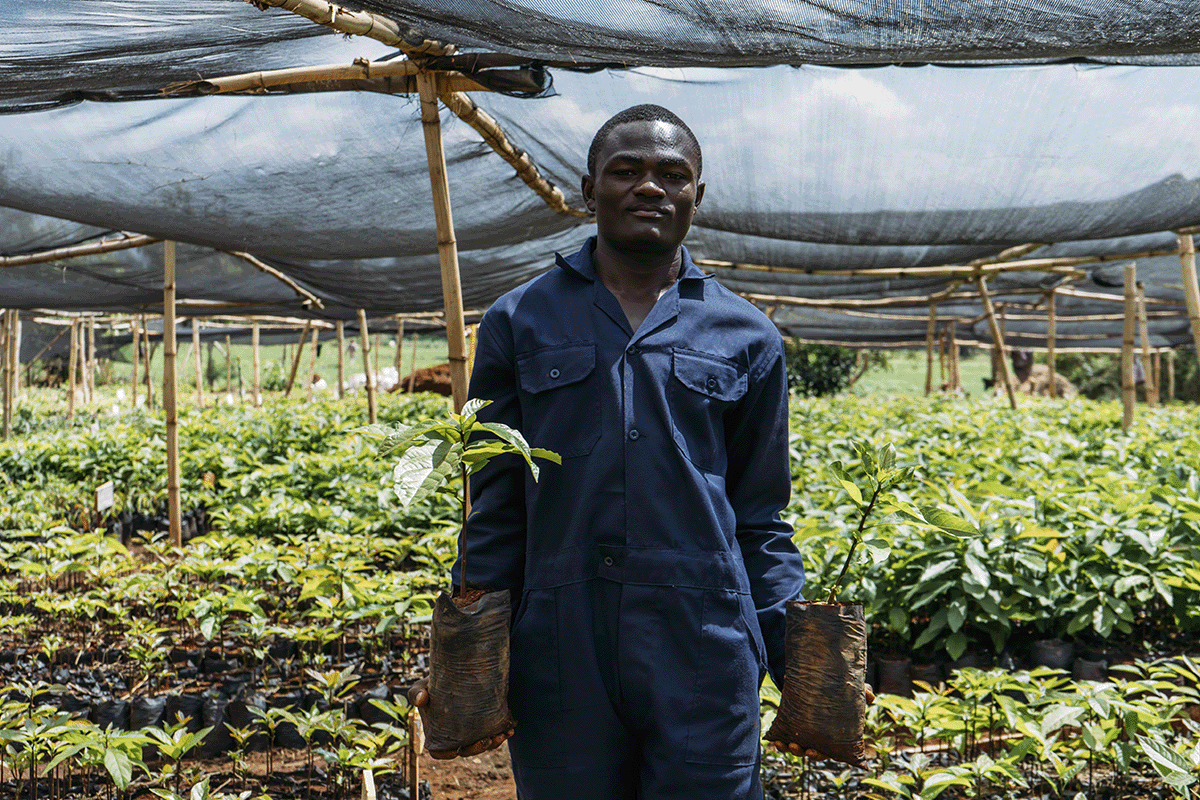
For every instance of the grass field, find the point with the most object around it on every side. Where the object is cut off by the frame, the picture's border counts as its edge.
(905, 374)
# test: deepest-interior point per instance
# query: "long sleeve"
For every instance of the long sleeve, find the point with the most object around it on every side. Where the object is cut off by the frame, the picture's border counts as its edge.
(758, 483)
(495, 532)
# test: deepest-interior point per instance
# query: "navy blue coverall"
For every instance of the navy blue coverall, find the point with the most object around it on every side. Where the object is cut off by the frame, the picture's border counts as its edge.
(652, 566)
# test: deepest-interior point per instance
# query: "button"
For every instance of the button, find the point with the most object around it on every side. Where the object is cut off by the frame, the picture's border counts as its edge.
(712, 381)
(633, 434)
(554, 373)
(608, 562)
(633, 350)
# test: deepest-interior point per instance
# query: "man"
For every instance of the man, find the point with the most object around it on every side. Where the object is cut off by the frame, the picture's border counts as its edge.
(652, 566)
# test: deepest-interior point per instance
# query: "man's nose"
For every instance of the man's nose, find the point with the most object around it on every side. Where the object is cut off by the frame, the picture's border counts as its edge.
(649, 187)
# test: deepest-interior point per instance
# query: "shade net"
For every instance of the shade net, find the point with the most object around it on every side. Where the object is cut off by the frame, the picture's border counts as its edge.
(811, 168)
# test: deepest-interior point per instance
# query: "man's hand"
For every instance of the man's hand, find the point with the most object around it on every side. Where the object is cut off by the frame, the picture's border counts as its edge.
(418, 696)
(796, 750)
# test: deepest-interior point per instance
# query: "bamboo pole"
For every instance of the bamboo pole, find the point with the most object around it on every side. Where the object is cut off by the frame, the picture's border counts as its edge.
(447, 245)
(1151, 382)
(1170, 375)
(257, 356)
(376, 352)
(126, 242)
(228, 364)
(93, 361)
(7, 380)
(16, 356)
(366, 359)
(1128, 390)
(399, 344)
(135, 357)
(199, 369)
(955, 374)
(471, 356)
(312, 364)
(998, 338)
(1051, 339)
(929, 332)
(148, 355)
(943, 363)
(363, 23)
(341, 346)
(170, 405)
(296, 359)
(412, 365)
(306, 296)
(1191, 291)
(72, 361)
(1157, 359)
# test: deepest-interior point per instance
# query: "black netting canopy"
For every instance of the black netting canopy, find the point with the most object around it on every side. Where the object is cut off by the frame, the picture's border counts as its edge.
(849, 149)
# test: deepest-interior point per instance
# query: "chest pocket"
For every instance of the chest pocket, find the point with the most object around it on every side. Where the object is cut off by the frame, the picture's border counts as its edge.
(560, 405)
(702, 389)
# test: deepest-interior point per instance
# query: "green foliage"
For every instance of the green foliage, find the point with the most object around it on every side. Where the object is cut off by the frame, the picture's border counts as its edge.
(817, 370)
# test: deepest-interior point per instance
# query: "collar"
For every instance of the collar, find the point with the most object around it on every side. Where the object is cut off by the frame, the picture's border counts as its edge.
(581, 263)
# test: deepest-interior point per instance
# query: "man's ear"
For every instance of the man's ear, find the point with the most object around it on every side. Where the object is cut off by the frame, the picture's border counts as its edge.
(699, 194)
(588, 187)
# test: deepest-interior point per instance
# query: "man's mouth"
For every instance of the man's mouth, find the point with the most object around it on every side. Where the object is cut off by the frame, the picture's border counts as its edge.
(648, 213)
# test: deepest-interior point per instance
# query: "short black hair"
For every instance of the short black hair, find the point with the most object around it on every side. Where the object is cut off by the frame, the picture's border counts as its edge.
(647, 112)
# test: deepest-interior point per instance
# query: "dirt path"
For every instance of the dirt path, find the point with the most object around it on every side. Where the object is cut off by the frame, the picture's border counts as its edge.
(487, 776)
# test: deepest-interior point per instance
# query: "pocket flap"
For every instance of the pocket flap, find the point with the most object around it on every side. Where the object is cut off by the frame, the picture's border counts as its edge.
(556, 366)
(709, 375)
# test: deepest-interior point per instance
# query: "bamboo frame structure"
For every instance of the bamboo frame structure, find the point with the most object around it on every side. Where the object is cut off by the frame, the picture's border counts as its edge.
(256, 355)
(376, 350)
(943, 356)
(126, 242)
(1151, 381)
(1128, 390)
(363, 23)
(384, 77)
(170, 404)
(955, 372)
(929, 332)
(135, 357)
(412, 365)
(228, 364)
(365, 337)
(296, 359)
(92, 361)
(447, 244)
(5, 359)
(341, 359)
(1170, 375)
(1051, 339)
(1156, 357)
(399, 344)
(306, 296)
(312, 364)
(998, 340)
(72, 362)
(1191, 290)
(199, 368)
(148, 355)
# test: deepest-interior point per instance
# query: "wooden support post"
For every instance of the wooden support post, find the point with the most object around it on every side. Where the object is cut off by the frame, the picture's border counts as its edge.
(148, 355)
(341, 376)
(955, 373)
(1151, 381)
(930, 330)
(170, 403)
(376, 351)
(72, 361)
(1051, 339)
(312, 363)
(135, 357)
(296, 360)
(427, 84)
(997, 339)
(943, 356)
(92, 361)
(1156, 357)
(14, 341)
(412, 365)
(199, 369)
(1128, 390)
(1191, 290)
(228, 364)
(256, 355)
(399, 343)
(366, 358)
(1170, 375)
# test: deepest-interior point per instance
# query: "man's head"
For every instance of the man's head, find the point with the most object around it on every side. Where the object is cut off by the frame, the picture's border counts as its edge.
(643, 181)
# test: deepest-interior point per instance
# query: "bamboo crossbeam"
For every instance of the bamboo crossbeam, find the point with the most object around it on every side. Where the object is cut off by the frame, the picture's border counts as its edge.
(1128, 390)
(308, 297)
(360, 69)
(309, 80)
(447, 244)
(1151, 382)
(487, 127)
(998, 340)
(126, 242)
(170, 405)
(361, 23)
(1008, 254)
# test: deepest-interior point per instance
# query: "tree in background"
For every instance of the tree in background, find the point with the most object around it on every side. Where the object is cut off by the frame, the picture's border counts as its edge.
(815, 370)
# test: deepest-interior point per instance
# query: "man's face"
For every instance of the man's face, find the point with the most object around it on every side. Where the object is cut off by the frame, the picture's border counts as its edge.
(645, 189)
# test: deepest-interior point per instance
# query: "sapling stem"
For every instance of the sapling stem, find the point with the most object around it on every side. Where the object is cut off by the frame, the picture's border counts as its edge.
(462, 551)
(862, 523)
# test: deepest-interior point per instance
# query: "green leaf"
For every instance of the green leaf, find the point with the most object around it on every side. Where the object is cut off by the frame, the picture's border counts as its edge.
(948, 522)
(119, 767)
(878, 550)
(424, 468)
(1168, 763)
